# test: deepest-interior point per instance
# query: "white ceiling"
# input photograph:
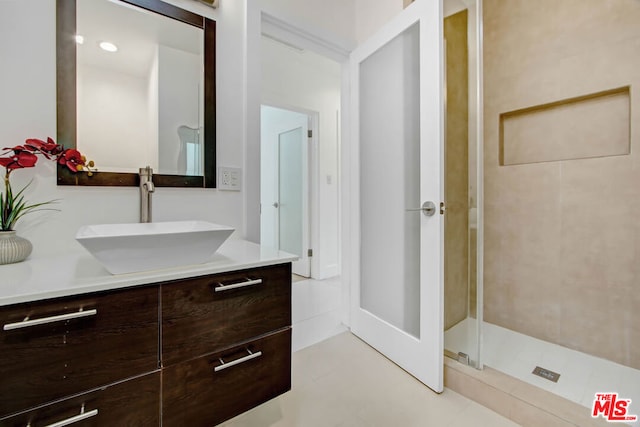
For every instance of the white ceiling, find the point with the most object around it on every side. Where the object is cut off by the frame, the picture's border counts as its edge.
(135, 31)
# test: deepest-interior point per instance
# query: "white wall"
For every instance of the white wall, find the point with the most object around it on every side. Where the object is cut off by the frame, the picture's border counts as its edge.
(28, 109)
(328, 21)
(345, 21)
(179, 86)
(331, 21)
(304, 80)
(152, 113)
(107, 96)
(148, 110)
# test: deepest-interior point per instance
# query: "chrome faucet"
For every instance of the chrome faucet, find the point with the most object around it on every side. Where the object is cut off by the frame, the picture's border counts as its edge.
(146, 188)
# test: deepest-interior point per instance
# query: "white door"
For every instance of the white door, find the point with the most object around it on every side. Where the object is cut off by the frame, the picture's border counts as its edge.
(396, 167)
(292, 204)
(284, 183)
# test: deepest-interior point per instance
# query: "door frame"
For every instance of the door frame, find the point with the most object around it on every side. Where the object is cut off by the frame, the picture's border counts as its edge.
(259, 19)
(262, 20)
(313, 160)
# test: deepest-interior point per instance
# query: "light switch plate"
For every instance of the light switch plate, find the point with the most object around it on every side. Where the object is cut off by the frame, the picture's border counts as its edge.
(229, 179)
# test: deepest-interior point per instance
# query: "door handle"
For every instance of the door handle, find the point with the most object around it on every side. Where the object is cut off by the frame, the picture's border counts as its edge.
(82, 416)
(275, 205)
(428, 208)
(44, 320)
(247, 282)
(225, 365)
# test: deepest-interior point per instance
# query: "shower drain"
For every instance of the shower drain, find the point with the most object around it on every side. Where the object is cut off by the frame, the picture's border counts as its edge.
(546, 374)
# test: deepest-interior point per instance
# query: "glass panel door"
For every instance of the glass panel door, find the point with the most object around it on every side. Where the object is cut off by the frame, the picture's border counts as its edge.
(395, 168)
(390, 182)
(463, 179)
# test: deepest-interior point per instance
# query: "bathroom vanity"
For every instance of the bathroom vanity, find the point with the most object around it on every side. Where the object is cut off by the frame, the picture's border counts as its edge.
(184, 346)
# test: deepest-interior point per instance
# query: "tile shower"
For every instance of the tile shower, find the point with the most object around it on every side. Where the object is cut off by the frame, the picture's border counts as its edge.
(561, 242)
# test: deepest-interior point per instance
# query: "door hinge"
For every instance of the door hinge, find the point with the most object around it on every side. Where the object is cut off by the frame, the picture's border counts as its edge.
(309, 252)
(310, 133)
(443, 208)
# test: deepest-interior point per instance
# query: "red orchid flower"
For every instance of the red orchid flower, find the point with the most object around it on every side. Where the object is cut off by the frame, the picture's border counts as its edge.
(25, 156)
(72, 159)
(16, 149)
(5, 161)
(20, 159)
(48, 149)
(13, 206)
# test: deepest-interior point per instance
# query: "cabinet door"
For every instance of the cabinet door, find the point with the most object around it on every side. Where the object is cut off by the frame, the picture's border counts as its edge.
(134, 402)
(205, 392)
(75, 348)
(211, 313)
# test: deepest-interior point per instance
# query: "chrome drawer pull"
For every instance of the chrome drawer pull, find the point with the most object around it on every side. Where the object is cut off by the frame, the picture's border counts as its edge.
(247, 282)
(26, 322)
(82, 416)
(237, 361)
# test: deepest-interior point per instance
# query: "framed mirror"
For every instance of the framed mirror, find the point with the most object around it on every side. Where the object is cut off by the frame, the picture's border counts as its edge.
(147, 98)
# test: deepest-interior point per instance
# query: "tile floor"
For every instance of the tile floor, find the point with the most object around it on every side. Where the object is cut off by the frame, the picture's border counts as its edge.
(581, 375)
(338, 380)
(343, 382)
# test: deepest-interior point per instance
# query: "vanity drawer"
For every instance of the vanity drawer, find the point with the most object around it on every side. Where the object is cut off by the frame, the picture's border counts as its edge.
(75, 344)
(195, 394)
(201, 315)
(135, 402)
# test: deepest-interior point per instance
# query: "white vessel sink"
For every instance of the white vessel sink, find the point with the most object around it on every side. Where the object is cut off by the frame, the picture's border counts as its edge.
(130, 248)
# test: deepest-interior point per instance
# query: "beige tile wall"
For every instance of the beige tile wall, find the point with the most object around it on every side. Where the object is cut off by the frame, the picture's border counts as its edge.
(596, 125)
(562, 238)
(456, 242)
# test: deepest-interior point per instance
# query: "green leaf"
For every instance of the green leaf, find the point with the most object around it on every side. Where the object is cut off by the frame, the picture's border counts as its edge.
(14, 206)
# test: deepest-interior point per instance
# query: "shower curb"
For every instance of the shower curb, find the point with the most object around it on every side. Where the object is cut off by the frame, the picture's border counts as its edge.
(517, 400)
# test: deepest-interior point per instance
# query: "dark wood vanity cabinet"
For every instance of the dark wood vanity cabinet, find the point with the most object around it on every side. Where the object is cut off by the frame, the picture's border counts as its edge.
(226, 344)
(135, 402)
(211, 313)
(53, 349)
(205, 392)
(194, 352)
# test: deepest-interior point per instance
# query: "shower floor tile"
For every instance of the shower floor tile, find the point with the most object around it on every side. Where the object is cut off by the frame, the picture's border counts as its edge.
(581, 375)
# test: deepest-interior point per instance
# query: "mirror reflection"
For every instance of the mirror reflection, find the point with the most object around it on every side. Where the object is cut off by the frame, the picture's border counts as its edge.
(139, 89)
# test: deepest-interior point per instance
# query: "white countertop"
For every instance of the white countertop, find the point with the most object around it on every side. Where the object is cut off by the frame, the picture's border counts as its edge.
(80, 273)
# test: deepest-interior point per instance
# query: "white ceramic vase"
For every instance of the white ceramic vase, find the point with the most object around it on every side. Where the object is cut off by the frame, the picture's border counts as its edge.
(13, 248)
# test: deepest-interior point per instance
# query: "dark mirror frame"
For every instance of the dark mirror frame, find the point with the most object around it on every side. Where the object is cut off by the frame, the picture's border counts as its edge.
(66, 98)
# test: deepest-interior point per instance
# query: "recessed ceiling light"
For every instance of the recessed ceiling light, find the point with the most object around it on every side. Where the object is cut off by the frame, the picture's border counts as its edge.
(79, 39)
(109, 47)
